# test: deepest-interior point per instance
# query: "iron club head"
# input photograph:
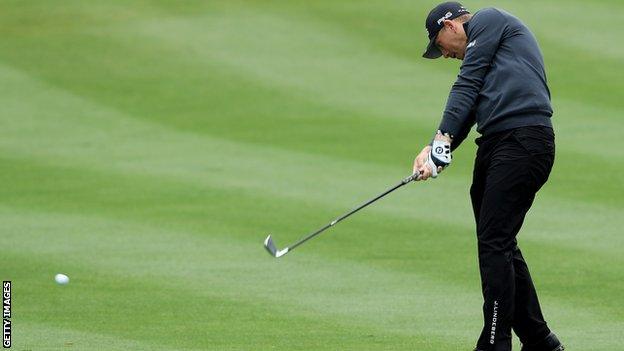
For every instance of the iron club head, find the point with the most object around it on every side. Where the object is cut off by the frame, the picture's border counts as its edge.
(270, 246)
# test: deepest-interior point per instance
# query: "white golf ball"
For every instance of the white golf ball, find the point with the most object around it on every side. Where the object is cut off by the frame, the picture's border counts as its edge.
(61, 279)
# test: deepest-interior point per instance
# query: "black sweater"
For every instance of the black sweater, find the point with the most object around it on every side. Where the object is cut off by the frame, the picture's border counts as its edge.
(502, 83)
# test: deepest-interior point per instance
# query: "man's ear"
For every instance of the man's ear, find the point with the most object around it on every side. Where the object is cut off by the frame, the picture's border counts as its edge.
(450, 25)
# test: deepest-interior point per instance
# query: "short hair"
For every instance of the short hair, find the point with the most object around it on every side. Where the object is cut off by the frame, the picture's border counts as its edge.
(464, 18)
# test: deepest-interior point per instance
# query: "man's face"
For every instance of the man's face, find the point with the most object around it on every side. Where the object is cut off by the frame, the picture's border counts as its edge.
(451, 40)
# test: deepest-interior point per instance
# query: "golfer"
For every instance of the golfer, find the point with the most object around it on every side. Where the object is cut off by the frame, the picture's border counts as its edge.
(501, 87)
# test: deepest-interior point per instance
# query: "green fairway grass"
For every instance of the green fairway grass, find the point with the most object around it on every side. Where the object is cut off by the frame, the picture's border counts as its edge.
(148, 147)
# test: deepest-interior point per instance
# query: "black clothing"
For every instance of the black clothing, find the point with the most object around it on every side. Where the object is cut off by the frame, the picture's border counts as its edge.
(502, 83)
(510, 168)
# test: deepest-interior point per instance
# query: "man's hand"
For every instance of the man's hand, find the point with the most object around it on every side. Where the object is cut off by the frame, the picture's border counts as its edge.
(433, 158)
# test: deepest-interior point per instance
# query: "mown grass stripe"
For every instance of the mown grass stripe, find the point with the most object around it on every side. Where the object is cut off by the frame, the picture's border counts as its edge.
(335, 289)
(383, 238)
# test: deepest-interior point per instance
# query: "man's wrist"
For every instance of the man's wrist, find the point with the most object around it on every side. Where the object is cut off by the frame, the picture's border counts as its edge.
(440, 153)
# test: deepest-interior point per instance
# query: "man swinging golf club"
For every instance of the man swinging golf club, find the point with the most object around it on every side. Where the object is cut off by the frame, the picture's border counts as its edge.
(501, 87)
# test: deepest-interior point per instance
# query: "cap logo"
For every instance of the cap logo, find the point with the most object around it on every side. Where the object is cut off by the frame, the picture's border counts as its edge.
(447, 15)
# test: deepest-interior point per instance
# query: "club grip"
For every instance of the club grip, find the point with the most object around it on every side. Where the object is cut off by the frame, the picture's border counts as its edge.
(411, 178)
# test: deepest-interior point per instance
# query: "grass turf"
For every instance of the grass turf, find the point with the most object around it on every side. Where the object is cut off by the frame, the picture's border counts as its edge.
(148, 147)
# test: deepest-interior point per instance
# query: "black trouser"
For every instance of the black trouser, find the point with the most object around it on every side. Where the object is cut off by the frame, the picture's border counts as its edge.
(510, 168)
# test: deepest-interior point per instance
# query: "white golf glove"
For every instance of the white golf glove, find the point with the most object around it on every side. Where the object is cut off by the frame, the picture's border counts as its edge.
(440, 154)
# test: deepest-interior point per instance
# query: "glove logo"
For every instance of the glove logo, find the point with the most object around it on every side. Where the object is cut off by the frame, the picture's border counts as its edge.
(439, 150)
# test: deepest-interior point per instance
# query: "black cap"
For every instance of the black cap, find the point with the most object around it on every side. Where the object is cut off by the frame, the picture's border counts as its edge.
(435, 21)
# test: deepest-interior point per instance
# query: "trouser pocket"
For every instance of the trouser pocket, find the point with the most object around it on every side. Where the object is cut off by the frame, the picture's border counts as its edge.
(539, 143)
(536, 140)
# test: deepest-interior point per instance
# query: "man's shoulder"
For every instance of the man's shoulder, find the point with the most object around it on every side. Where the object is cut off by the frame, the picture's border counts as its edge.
(487, 19)
(488, 14)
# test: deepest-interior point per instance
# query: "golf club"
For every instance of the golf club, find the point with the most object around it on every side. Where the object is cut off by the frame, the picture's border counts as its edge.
(269, 245)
